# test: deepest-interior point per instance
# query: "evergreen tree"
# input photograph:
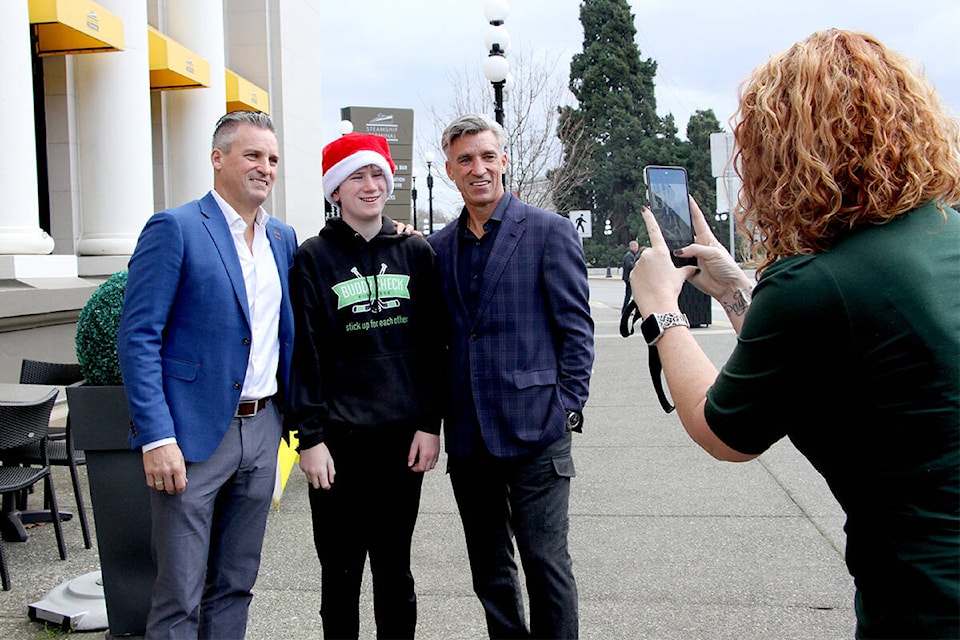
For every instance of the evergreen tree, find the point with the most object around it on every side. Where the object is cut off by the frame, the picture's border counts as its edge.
(703, 186)
(615, 91)
(618, 111)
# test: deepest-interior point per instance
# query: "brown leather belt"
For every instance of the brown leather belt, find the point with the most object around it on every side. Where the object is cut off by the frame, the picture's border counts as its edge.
(250, 408)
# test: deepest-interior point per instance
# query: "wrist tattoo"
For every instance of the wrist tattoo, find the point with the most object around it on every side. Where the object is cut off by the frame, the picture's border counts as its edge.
(740, 303)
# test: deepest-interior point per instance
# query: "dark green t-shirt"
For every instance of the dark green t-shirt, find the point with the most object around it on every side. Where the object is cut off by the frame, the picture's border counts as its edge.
(854, 354)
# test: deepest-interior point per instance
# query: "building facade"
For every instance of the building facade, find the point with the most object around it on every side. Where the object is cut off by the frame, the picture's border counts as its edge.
(108, 109)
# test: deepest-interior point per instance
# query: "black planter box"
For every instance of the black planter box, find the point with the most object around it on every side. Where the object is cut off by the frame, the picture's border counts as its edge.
(100, 423)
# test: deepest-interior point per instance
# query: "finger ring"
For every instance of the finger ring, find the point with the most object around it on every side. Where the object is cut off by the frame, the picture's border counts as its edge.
(158, 483)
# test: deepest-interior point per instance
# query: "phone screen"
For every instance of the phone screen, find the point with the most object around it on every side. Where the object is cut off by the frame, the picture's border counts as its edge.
(667, 191)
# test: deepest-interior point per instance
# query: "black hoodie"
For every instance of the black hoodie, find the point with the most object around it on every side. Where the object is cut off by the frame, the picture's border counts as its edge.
(370, 333)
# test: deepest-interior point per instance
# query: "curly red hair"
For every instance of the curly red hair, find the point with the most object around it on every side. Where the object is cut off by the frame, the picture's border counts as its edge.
(836, 132)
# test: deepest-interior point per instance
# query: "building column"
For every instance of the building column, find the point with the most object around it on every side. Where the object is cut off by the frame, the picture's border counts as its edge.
(20, 231)
(190, 114)
(114, 135)
(295, 98)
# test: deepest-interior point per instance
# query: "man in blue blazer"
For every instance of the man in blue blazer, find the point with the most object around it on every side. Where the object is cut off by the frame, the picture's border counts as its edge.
(521, 354)
(205, 345)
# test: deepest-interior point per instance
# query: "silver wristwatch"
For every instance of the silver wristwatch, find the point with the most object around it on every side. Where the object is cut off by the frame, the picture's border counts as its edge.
(655, 324)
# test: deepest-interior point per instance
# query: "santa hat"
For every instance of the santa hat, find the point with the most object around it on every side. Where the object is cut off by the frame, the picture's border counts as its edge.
(352, 151)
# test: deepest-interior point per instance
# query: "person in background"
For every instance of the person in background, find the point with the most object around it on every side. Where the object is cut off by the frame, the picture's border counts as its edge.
(368, 378)
(629, 258)
(521, 353)
(205, 342)
(850, 342)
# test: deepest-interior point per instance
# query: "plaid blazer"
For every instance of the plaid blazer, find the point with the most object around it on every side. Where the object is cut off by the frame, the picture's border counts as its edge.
(527, 354)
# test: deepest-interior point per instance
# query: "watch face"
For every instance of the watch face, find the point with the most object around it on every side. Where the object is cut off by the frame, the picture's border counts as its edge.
(574, 421)
(650, 328)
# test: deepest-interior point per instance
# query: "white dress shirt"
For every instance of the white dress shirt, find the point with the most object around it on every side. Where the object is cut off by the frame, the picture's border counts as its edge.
(262, 282)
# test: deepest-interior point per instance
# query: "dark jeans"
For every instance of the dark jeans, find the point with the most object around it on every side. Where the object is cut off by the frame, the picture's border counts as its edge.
(371, 508)
(899, 614)
(527, 497)
(626, 296)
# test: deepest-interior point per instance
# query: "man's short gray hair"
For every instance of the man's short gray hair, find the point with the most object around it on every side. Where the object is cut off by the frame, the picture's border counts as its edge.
(226, 129)
(472, 123)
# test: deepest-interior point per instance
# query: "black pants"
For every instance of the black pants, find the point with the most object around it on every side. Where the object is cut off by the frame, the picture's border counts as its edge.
(524, 499)
(371, 508)
(891, 612)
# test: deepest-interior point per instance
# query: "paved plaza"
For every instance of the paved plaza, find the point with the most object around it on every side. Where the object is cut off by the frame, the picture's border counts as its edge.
(667, 542)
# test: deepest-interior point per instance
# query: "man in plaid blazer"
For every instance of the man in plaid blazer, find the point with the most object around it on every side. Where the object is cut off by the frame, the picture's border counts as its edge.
(521, 353)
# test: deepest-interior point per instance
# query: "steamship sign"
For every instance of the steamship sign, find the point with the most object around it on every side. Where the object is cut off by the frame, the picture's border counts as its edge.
(382, 124)
(396, 126)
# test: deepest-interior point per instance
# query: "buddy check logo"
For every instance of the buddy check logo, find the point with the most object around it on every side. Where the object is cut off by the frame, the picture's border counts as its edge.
(372, 294)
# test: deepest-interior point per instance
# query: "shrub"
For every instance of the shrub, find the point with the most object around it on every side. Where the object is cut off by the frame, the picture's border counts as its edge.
(97, 328)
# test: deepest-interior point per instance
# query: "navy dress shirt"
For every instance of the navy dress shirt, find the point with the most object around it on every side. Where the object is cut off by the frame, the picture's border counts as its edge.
(472, 256)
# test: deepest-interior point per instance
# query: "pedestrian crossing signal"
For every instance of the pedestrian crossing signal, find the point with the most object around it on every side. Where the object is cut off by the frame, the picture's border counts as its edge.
(583, 222)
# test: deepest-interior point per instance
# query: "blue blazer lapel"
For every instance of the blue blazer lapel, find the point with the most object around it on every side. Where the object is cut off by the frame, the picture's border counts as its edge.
(219, 232)
(511, 231)
(283, 249)
(275, 236)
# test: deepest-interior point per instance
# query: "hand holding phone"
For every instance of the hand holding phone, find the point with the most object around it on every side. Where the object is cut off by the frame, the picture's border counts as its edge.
(670, 204)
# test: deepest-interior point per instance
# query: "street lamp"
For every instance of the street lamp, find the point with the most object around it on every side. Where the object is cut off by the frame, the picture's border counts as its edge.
(331, 210)
(730, 177)
(495, 67)
(608, 231)
(428, 156)
(722, 217)
(413, 196)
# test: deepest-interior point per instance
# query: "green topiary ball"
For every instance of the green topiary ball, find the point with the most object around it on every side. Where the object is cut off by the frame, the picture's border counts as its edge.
(97, 328)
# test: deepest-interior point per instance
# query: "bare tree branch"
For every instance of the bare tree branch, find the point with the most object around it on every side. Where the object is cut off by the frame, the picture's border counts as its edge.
(532, 118)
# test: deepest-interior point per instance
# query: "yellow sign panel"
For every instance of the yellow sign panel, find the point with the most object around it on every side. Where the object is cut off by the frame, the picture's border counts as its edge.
(243, 95)
(74, 26)
(173, 66)
(287, 456)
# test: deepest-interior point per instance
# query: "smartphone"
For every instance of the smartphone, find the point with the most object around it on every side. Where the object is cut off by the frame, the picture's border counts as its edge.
(670, 203)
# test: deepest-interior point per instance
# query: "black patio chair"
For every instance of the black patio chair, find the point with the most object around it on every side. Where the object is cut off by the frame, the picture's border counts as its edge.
(25, 424)
(60, 447)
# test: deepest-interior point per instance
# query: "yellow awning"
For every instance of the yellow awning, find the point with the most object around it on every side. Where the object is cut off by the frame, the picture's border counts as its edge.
(243, 95)
(74, 26)
(173, 66)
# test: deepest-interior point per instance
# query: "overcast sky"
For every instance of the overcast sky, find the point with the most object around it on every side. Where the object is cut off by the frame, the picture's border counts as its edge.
(393, 53)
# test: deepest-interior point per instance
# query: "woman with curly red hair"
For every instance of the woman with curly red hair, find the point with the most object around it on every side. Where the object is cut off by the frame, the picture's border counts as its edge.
(850, 343)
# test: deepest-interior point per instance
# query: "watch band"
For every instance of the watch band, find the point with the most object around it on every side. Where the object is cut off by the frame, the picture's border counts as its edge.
(629, 318)
(656, 368)
(655, 324)
(574, 421)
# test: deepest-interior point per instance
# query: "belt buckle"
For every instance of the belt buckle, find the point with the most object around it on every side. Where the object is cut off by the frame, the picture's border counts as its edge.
(249, 408)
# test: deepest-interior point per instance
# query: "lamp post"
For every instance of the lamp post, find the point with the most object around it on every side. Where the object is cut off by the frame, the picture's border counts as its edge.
(429, 158)
(730, 177)
(413, 196)
(495, 66)
(331, 210)
(608, 231)
(722, 216)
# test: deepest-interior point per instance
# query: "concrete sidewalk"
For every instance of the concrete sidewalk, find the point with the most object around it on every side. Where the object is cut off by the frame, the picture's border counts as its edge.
(667, 542)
